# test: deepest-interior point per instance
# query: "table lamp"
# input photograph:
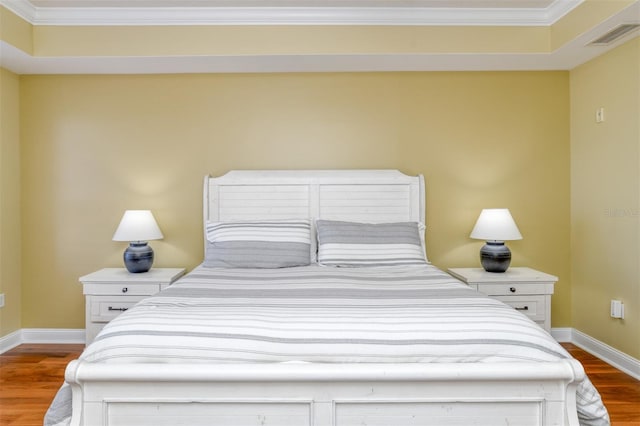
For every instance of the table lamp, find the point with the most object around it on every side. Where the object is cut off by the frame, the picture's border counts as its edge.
(495, 226)
(138, 227)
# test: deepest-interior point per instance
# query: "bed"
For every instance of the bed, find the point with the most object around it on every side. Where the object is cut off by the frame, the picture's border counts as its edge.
(315, 305)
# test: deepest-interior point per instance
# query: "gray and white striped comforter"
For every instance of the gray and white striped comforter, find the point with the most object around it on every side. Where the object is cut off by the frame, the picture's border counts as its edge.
(316, 314)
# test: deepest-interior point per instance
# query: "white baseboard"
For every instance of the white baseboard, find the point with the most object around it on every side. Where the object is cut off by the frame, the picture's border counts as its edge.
(10, 341)
(612, 356)
(606, 353)
(562, 334)
(42, 335)
(53, 335)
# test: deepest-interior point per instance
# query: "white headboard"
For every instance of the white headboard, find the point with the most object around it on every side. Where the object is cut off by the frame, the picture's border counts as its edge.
(351, 195)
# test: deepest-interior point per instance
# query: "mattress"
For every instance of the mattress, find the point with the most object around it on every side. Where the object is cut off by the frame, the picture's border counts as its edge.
(316, 314)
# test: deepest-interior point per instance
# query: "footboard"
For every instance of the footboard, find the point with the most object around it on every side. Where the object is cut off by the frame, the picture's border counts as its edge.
(324, 394)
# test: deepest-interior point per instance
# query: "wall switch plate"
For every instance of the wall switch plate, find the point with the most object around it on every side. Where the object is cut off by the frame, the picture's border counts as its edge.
(1, 300)
(600, 115)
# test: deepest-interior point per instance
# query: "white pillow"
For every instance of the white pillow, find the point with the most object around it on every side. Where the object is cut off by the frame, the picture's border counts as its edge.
(355, 244)
(258, 244)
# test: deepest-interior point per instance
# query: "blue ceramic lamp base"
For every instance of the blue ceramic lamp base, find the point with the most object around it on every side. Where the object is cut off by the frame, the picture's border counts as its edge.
(138, 257)
(495, 256)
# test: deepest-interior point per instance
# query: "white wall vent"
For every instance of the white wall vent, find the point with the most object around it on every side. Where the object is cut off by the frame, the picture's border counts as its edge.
(615, 34)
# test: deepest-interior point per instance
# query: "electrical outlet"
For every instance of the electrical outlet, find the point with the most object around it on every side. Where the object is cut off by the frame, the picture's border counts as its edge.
(1, 300)
(617, 309)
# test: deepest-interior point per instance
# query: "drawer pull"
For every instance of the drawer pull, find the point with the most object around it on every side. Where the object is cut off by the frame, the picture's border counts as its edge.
(524, 308)
(512, 289)
(111, 308)
(125, 289)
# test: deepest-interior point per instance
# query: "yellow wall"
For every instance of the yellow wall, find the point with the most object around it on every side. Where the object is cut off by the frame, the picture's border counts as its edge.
(16, 31)
(10, 238)
(61, 40)
(605, 176)
(94, 146)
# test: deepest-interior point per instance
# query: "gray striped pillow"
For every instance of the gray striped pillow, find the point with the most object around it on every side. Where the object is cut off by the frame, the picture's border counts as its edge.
(258, 244)
(367, 244)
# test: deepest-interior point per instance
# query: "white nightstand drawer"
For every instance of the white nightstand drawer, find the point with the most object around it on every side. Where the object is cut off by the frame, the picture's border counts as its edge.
(104, 309)
(525, 289)
(123, 289)
(512, 289)
(531, 306)
(111, 291)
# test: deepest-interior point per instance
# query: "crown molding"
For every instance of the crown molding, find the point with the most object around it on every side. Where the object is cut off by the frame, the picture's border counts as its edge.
(22, 8)
(560, 8)
(290, 15)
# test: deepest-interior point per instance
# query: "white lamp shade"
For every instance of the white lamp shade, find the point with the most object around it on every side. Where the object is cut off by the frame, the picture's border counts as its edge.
(496, 225)
(138, 225)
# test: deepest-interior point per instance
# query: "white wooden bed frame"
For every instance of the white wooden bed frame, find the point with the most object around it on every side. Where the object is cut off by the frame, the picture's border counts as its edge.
(322, 394)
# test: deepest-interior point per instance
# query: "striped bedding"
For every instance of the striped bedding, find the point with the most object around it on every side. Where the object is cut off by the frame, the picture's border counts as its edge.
(318, 314)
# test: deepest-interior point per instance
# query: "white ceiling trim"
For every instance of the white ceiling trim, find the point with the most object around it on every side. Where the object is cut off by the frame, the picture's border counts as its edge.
(22, 8)
(21, 63)
(290, 15)
(566, 58)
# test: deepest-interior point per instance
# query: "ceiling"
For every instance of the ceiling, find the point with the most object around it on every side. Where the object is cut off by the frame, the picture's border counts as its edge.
(389, 14)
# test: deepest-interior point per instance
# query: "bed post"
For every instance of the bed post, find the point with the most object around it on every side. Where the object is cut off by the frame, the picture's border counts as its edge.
(205, 209)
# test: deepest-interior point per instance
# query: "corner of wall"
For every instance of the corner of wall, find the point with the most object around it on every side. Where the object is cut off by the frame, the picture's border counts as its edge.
(10, 234)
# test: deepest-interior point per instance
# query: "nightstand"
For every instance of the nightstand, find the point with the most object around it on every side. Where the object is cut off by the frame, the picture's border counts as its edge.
(111, 291)
(525, 289)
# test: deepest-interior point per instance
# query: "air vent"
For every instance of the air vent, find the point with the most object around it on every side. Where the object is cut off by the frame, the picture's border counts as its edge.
(615, 34)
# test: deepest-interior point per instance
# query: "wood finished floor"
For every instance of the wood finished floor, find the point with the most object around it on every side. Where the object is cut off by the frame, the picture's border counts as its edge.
(31, 374)
(620, 392)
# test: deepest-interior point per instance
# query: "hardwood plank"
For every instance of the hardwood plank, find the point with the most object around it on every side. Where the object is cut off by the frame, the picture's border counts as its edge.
(30, 376)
